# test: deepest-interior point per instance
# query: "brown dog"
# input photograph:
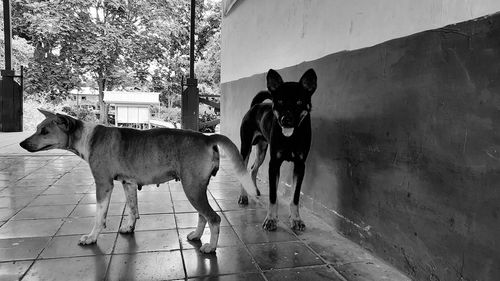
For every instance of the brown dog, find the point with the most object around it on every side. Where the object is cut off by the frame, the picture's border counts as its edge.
(138, 158)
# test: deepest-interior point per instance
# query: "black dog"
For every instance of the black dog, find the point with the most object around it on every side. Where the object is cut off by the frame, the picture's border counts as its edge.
(286, 126)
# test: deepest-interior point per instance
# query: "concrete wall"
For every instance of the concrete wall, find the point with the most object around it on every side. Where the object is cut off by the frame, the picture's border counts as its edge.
(260, 34)
(405, 156)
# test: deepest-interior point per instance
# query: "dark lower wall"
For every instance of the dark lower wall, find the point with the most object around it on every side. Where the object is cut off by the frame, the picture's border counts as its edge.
(405, 156)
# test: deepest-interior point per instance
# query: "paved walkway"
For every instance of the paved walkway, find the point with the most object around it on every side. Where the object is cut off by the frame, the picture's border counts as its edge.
(47, 200)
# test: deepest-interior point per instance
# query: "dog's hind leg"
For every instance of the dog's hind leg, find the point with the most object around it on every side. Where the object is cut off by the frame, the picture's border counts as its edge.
(296, 222)
(259, 158)
(130, 190)
(246, 149)
(196, 192)
(213, 223)
(198, 232)
(104, 187)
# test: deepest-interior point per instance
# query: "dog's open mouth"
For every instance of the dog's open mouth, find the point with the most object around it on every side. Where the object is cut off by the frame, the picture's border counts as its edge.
(287, 131)
(47, 147)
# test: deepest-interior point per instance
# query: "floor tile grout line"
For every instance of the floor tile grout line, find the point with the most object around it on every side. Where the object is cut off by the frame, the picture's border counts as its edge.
(93, 255)
(46, 244)
(259, 269)
(318, 255)
(325, 263)
(37, 169)
(317, 266)
(14, 261)
(68, 216)
(51, 237)
(115, 241)
(307, 245)
(30, 266)
(34, 198)
(181, 248)
(70, 257)
(178, 234)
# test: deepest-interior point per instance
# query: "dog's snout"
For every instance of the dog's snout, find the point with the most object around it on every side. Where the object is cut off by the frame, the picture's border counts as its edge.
(286, 120)
(26, 145)
(23, 144)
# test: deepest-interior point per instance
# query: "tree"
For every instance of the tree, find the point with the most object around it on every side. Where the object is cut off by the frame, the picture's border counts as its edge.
(99, 37)
(207, 52)
(48, 72)
(117, 43)
(208, 67)
(22, 51)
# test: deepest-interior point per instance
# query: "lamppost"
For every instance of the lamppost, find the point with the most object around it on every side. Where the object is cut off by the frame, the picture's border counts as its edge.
(190, 102)
(11, 96)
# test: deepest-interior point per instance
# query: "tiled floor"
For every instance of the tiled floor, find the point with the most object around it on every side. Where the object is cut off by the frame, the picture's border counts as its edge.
(47, 201)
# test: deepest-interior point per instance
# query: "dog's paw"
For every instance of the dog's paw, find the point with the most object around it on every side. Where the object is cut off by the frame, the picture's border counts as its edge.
(270, 224)
(87, 240)
(126, 229)
(193, 236)
(243, 200)
(207, 248)
(297, 224)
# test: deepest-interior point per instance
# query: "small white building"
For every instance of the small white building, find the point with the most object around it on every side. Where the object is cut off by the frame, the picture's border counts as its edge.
(85, 96)
(132, 108)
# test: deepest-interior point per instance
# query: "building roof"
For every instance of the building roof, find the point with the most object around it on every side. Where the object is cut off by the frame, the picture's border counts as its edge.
(84, 91)
(122, 97)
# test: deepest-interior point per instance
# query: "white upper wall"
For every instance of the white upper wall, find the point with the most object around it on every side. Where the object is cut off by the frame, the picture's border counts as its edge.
(262, 34)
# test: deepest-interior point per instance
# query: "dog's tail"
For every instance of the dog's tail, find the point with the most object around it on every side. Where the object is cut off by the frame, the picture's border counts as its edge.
(236, 161)
(260, 97)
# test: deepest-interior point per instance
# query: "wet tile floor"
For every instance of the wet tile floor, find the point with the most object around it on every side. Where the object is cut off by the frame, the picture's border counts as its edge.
(47, 201)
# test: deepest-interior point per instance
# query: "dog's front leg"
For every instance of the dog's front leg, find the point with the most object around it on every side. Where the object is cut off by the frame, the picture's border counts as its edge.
(132, 209)
(103, 196)
(271, 220)
(296, 222)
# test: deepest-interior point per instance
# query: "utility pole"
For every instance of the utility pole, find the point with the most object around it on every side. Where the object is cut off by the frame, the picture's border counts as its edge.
(11, 101)
(190, 102)
(7, 35)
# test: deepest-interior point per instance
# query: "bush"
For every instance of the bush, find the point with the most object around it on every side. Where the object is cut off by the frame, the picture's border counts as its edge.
(31, 115)
(173, 115)
(207, 117)
(169, 114)
(82, 113)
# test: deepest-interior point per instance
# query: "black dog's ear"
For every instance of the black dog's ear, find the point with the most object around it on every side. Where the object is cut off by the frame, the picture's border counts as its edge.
(47, 113)
(273, 80)
(66, 123)
(309, 81)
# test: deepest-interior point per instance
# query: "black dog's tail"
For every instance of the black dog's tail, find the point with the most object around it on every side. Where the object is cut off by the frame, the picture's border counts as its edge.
(260, 97)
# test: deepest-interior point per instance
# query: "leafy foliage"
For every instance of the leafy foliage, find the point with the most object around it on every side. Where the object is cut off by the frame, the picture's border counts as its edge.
(82, 113)
(22, 51)
(116, 44)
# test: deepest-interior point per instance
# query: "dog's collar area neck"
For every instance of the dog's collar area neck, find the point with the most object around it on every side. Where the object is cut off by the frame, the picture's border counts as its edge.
(302, 119)
(70, 146)
(69, 142)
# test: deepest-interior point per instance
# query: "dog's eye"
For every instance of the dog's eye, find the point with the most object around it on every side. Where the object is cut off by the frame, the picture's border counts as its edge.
(299, 102)
(44, 131)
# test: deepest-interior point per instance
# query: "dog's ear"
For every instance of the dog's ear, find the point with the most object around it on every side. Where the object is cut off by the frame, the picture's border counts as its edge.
(273, 80)
(309, 81)
(47, 113)
(66, 123)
